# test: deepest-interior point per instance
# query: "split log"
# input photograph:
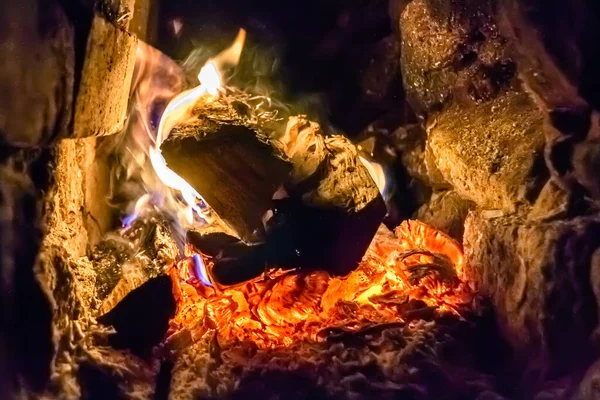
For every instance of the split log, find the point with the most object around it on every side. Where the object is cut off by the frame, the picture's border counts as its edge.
(229, 164)
(303, 200)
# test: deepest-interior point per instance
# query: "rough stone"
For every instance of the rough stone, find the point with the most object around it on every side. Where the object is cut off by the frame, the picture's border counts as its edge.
(27, 341)
(446, 211)
(586, 159)
(552, 203)
(36, 72)
(556, 83)
(417, 156)
(74, 213)
(492, 152)
(484, 130)
(589, 388)
(537, 276)
(103, 96)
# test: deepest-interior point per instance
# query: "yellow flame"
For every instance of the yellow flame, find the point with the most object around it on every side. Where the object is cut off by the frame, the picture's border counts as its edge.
(210, 78)
(179, 110)
(231, 55)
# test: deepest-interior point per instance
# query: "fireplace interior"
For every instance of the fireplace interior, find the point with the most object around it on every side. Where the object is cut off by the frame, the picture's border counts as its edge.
(333, 200)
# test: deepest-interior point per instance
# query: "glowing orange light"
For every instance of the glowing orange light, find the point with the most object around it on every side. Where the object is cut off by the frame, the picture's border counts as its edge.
(285, 307)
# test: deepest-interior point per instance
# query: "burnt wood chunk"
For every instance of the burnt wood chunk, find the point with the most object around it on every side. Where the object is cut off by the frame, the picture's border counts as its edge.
(141, 319)
(334, 208)
(324, 218)
(235, 171)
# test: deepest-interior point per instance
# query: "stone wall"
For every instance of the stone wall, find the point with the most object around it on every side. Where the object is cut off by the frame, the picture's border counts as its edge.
(53, 188)
(504, 89)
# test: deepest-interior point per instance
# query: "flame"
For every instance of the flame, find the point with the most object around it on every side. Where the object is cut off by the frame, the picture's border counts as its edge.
(417, 269)
(414, 271)
(178, 111)
(182, 200)
(377, 174)
(210, 78)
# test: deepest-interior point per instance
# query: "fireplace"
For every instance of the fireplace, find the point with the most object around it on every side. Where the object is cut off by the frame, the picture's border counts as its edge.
(390, 199)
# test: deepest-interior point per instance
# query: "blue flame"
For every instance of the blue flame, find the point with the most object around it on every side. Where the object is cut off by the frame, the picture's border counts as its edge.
(129, 219)
(200, 270)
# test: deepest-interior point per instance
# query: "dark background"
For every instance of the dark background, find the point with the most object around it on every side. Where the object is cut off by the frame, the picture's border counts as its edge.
(324, 57)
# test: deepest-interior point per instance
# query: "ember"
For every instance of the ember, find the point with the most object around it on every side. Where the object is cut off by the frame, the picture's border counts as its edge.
(412, 273)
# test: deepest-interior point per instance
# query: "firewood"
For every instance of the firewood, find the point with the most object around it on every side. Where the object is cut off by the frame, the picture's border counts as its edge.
(302, 200)
(142, 317)
(229, 164)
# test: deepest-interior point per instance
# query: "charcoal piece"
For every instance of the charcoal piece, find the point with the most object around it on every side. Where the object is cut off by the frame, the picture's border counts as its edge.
(233, 261)
(300, 236)
(142, 317)
(235, 172)
(331, 239)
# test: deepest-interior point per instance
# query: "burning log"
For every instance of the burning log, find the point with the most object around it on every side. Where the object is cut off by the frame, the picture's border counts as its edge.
(334, 208)
(229, 164)
(142, 317)
(303, 200)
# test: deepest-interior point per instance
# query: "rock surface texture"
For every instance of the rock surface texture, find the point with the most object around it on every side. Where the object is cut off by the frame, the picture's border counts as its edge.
(506, 95)
(52, 207)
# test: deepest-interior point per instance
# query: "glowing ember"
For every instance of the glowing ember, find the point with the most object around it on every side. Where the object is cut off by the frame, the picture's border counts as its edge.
(414, 272)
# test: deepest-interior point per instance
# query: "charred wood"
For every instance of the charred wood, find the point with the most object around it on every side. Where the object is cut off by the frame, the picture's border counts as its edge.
(303, 199)
(230, 166)
(142, 317)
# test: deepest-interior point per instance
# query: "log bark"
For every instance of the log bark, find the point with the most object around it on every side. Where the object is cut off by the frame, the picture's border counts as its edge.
(302, 200)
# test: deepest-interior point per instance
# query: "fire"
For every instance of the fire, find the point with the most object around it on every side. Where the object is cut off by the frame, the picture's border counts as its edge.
(189, 207)
(178, 111)
(415, 271)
